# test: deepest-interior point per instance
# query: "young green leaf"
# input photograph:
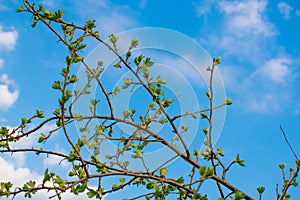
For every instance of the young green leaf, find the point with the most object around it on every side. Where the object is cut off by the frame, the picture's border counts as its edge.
(228, 102)
(163, 171)
(134, 43)
(238, 195)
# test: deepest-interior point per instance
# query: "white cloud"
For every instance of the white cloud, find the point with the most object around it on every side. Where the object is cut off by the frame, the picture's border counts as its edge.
(246, 17)
(266, 90)
(285, 9)
(17, 175)
(242, 30)
(276, 70)
(20, 175)
(8, 39)
(8, 96)
(1, 63)
(52, 160)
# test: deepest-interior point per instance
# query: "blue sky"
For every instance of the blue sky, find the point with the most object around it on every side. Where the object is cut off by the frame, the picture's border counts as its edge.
(257, 41)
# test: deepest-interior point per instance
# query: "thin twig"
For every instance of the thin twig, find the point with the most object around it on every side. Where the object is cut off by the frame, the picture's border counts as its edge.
(289, 145)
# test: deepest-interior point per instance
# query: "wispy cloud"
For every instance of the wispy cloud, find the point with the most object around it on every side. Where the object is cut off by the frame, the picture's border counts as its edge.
(242, 30)
(276, 70)
(203, 7)
(265, 90)
(261, 75)
(246, 17)
(8, 95)
(285, 9)
(8, 39)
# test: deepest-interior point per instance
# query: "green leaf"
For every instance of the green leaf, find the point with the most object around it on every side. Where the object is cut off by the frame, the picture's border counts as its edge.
(180, 180)
(58, 180)
(134, 43)
(96, 33)
(137, 154)
(282, 166)
(42, 138)
(46, 176)
(298, 163)
(238, 195)
(90, 24)
(220, 151)
(31, 183)
(196, 153)
(208, 94)
(163, 171)
(205, 131)
(20, 9)
(58, 15)
(184, 128)
(94, 102)
(138, 60)
(91, 193)
(81, 188)
(8, 185)
(113, 39)
(47, 13)
(260, 190)
(72, 156)
(4, 131)
(127, 83)
(152, 105)
(56, 85)
(239, 161)
(118, 65)
(24, 120)
(146, 72)
(101, 168)
(166, 102)
(217, 60)
(163, 120)
(148, 63)
(76, 58)
(73, 79)
(126, 113)
(202, 170)
(204, 115)
(116, 91)
(122, 180)
(39, 114)
(209, 171)
(228, 102)
(116, 186)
